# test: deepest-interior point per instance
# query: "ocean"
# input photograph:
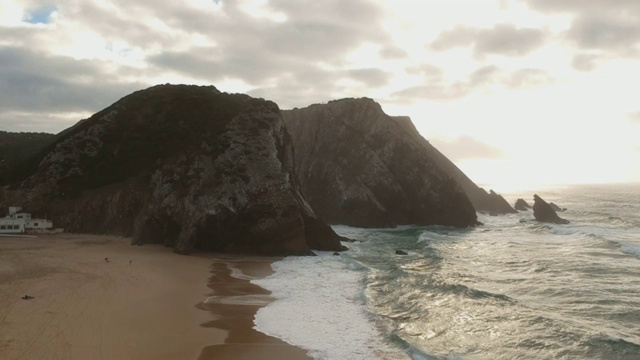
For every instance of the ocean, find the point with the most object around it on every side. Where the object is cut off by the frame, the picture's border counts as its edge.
(512, 288)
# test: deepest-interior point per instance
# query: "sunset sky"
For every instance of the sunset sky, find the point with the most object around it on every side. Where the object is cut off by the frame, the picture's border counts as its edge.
(513, 91)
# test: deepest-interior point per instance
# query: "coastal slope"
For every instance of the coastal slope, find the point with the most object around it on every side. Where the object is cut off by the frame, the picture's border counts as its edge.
(186, 166)
(16, 149)
(483, 201)
(358, 167)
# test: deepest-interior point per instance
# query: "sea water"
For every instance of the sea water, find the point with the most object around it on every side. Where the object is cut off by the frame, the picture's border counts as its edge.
(510, 289)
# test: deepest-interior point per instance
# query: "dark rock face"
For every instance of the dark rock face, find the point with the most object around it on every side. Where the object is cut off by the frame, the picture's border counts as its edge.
(358, 167)
(186, 166)
(522, 205)
(16, 152)
(543, 212)
(483, 202)
(556, 207)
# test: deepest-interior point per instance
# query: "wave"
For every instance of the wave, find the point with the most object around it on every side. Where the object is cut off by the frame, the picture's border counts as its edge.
(603, 346)
(627, 240)
(460, 289)
(329, 316)
(630, 249)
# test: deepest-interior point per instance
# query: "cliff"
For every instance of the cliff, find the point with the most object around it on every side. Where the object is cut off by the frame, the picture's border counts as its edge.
(16, 152)
(482, 201)
(358, 166)
(186, 166)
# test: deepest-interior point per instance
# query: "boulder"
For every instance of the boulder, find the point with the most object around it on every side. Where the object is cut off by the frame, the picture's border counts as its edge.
(543, 212)
(400, 252)
(522, 205)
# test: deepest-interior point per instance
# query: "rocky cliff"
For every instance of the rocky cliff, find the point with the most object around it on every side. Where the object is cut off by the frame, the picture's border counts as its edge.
(16, 152)
(360, 167)
(186, 166)
(482, 201)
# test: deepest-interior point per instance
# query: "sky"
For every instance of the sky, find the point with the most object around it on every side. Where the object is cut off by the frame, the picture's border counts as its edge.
(513, 91)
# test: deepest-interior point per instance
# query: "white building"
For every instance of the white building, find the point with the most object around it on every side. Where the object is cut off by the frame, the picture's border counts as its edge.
(22, 222)
(11, 226)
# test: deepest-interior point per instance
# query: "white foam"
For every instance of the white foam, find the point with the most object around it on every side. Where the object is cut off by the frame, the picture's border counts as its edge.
(317, 308)
(259, 300)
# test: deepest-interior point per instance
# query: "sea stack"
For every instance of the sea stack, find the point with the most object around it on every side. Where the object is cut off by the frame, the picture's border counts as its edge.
(522, 205)
(556, 207)
(543, 212)
(186, 166)
(359, 167)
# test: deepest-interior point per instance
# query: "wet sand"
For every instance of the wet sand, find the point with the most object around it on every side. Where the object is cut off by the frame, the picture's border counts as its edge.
(234, 305)
(85, 307)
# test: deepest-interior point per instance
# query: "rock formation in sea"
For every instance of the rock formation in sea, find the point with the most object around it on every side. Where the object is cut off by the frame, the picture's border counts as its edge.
(522, 205)
(360, 167)
(556, 207)
(186, 166)
(543, 212)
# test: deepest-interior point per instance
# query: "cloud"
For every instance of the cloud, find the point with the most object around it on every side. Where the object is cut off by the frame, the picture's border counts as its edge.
(466, 147)
(393, 52)
(634, 117)
(605, 32)
(609, 26)
(483, 75)
(314, 31)
(591, 6)
(300, 89)
(585, 62)
(370, 76)
(31, 81)
(502, 39)
(529, 78)
(87, 54)
(426, 70)
(39, 121)
(438, 89)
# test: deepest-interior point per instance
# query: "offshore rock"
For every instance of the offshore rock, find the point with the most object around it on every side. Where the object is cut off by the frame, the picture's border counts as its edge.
(359, 167)
(522, 205)
(543, 212)
(186, 166)
(556, 207)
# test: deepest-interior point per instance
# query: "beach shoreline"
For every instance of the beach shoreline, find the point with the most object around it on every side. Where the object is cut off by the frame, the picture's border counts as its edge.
(98, 297)
(234, 305)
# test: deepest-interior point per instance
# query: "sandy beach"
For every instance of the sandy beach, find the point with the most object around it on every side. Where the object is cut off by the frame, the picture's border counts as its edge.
(142, 302)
